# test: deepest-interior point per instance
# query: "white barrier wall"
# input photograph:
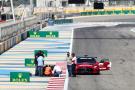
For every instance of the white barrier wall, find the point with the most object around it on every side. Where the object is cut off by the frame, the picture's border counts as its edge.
(12, 34)
(12, 29)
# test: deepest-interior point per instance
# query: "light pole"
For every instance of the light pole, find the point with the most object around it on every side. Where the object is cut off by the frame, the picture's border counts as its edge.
(12, 8)
(31, 7)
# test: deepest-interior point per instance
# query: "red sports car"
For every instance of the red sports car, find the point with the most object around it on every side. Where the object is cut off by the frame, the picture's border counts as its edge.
(89, 65)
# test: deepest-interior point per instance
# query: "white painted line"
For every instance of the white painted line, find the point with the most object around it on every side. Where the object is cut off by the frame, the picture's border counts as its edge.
(71, 44)
(66, 81)
(133, 30)
(71, 41)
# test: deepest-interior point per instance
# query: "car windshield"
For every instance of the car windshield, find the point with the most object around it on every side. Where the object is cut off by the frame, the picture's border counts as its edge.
(86, 60)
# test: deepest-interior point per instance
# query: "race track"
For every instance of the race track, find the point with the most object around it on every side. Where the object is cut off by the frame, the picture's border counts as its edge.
(105, 18)
(116, 43)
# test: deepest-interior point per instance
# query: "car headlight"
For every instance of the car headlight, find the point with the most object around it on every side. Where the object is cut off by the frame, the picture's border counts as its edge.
(95, 66)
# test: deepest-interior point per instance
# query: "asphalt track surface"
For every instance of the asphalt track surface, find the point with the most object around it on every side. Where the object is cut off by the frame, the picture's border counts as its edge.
(105, 18)
(116, 43)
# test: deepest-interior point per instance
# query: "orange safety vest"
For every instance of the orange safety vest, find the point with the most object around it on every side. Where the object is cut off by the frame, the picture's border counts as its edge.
(48, 71)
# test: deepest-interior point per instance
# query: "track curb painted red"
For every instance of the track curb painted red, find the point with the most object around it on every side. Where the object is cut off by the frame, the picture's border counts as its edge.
(57, 83)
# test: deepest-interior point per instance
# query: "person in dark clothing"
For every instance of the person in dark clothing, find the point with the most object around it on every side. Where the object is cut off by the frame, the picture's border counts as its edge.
(39, 53)
(40, 65)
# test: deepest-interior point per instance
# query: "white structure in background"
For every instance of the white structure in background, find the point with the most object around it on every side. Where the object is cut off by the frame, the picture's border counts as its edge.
(49, 3)
(58, 3)
(12, 8)
(88, 3)
(41, 3)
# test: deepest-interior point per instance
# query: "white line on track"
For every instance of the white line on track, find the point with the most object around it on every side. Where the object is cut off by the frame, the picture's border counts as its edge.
(71, 42)
(71, 46)
(133, 30)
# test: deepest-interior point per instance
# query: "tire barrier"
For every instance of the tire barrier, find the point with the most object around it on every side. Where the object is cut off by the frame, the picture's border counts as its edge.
(107, 12)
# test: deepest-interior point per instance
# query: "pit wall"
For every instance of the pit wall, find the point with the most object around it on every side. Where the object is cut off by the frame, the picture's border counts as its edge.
(10, 42)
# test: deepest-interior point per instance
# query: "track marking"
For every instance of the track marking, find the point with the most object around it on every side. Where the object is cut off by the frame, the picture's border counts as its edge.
(133, 30)
(71, 46)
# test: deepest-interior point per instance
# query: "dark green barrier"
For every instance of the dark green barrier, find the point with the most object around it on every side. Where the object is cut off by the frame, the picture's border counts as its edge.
(89, 13)
(133, 11)
(70, 21)
(83, 13)
(101, 12)
(117, 12)
(109, 12)
(46, 34)
(63, 21)
(56, 21)
(19, 77)
(44, 52)
(95, 13)
(126, 11)
(29, 62)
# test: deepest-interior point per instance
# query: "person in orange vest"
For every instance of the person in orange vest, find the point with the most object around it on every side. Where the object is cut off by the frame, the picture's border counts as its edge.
(48, 71)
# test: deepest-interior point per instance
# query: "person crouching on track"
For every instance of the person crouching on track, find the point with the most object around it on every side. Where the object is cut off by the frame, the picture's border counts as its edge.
(74, 60)
(57, 71)
(40, 65)
(69, 64)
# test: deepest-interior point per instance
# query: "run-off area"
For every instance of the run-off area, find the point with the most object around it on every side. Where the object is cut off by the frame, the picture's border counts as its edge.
(114, 42)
